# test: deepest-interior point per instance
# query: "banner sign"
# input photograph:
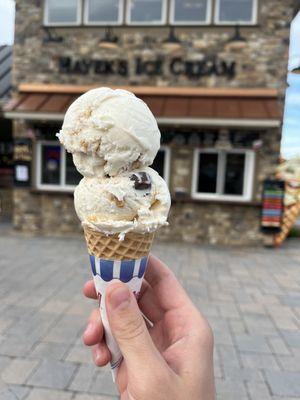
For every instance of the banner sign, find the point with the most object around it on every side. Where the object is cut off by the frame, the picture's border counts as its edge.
(273, 206)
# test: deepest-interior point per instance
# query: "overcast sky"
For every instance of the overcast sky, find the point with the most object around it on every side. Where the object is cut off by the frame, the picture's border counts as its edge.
(7, 17)
(291, 125)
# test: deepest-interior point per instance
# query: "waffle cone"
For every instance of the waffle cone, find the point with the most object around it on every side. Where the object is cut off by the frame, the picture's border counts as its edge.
(110, 247)
(289, 219)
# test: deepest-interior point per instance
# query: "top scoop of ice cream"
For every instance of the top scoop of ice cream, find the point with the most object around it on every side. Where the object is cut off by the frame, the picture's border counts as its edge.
(109, 131)
(136, 201)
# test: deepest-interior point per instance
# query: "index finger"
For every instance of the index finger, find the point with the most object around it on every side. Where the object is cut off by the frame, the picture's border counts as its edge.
(89, 290)
(168, 290)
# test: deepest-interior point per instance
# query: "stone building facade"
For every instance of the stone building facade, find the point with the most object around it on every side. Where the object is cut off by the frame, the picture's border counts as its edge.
(208, 56)
(261, 61)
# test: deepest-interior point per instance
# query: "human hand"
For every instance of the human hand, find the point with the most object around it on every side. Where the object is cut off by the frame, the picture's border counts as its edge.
(171, 360)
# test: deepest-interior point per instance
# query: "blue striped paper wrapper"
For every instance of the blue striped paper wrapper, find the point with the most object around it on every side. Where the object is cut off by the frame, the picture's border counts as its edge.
(130, 272)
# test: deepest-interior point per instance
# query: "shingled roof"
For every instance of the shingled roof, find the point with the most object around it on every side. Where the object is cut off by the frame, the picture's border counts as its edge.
(181, 106)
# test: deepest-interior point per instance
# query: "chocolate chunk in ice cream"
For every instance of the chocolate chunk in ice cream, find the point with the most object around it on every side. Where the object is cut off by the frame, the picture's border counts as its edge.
(142, 181)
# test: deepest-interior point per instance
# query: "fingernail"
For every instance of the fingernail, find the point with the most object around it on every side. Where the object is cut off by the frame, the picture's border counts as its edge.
(119, 298)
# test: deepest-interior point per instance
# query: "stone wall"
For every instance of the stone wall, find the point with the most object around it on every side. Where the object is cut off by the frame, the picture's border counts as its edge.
(206, 222)
(267, 159)
(6, 208)
(53, 214)
(47, 214)
(260, 62)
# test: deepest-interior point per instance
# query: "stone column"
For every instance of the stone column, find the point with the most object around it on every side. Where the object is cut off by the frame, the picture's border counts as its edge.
(26, 204)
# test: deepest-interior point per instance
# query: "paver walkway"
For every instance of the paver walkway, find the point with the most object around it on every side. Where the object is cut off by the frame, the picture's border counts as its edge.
(250, 296)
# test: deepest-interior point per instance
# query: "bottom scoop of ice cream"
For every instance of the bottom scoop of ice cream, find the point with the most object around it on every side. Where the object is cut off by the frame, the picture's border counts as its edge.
(136, 201)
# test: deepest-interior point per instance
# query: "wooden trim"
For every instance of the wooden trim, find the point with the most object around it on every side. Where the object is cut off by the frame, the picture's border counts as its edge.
(172, 121)
(154, 91)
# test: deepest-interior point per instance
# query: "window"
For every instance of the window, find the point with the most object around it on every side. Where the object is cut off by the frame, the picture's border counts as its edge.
(161, 163)
(223, 175)
(149, 12)
(62, 12)
(190, 12)
(236, 12)
(146, 12)
(55, 168)
(104, 12)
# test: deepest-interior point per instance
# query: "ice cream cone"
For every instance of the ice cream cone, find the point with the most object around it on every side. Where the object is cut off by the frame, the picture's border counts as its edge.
(110, 247)
(290, 216)
(121, 201)
(114, 259)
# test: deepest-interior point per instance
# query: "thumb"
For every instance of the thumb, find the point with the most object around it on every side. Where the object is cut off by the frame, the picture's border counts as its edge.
(129, 328)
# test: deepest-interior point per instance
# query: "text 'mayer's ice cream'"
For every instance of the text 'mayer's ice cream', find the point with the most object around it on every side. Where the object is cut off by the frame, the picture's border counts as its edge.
(120, 201)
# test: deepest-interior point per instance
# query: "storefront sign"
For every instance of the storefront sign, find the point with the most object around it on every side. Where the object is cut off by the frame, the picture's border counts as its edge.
(23, 150)
(122, 67)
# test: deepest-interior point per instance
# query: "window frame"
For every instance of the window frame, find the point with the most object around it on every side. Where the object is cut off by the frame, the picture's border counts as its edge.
(248, 175)
(167, 164)
(62, 186)
(253, 21)
(165, 15)
(108, 23)
(62, 24)
(208, 20)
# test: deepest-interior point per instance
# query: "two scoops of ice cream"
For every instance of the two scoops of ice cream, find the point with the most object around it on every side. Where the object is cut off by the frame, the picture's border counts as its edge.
(120, 201)
(114, 137)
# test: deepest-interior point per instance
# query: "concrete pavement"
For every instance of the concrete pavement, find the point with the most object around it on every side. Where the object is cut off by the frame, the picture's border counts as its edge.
(251, 298)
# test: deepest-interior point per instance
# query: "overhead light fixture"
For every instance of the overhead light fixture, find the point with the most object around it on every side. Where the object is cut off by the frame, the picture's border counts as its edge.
(51, 36)
(172, 42)
(223, 141)
(237, 39)
(109, 40)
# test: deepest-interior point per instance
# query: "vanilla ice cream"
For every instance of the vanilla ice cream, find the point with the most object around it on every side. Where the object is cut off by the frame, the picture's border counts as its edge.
(133, 201)
(108, 132)
(114, 137)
